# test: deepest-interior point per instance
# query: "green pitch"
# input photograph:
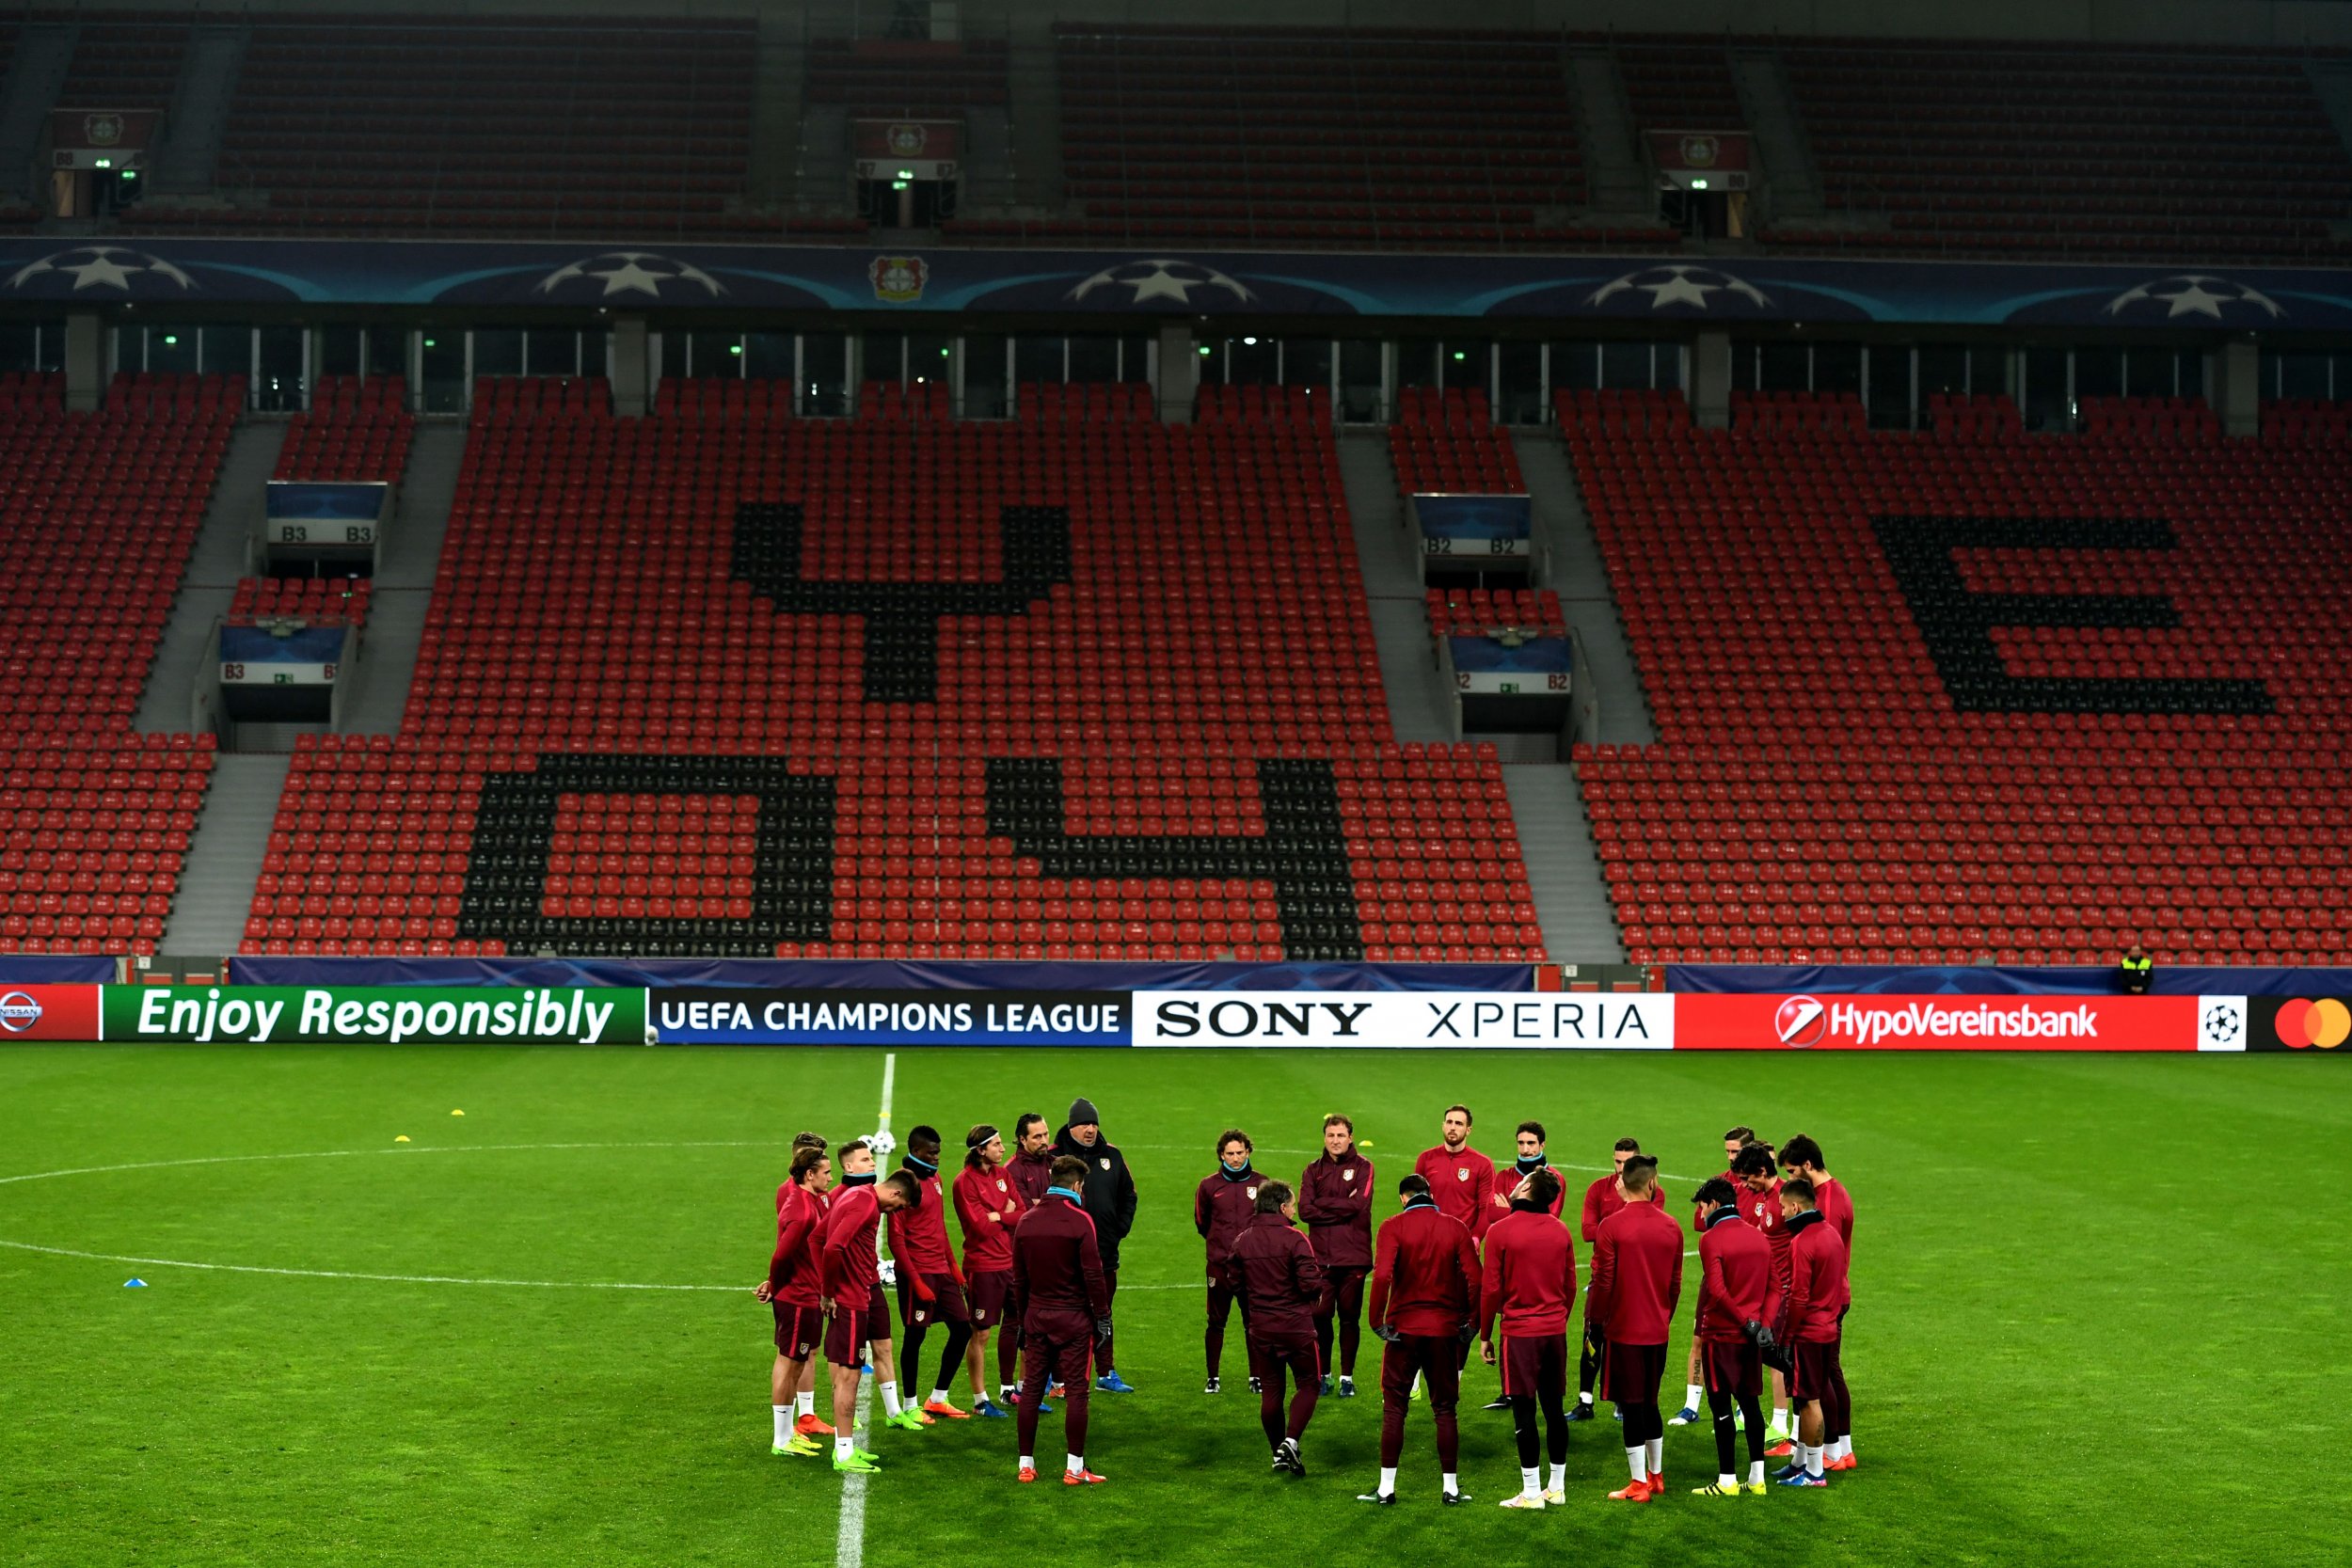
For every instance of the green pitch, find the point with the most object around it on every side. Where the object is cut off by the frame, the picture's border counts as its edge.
(2099, 1311)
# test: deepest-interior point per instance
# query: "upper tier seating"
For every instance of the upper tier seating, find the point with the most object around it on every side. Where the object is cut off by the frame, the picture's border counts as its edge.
(101, 510)
(1477, 612)
(317, 601)
(1862, 759)
(354, 429)
(1308, 135)
(2097, 153)
(480, 125)
(1680, 84)
(719, 680)
(908, 78)
(1444, 442)
(124, 61)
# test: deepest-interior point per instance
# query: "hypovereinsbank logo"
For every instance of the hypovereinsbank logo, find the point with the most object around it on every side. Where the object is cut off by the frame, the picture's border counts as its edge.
(373, 1015)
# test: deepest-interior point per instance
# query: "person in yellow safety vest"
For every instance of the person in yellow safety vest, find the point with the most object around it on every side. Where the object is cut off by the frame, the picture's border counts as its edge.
(2136, 970)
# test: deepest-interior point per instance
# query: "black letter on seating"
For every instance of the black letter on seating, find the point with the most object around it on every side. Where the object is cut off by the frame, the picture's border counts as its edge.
(1957, 623)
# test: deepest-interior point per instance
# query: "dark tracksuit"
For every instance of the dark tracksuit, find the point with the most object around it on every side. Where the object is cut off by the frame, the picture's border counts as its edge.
(1273, 1273)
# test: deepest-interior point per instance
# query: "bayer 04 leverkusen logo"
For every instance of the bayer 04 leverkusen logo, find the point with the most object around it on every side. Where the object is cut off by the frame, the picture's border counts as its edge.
(2316, 1024)
(1800, 1021)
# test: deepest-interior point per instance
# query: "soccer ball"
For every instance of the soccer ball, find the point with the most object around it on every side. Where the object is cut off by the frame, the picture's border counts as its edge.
(882, 1144)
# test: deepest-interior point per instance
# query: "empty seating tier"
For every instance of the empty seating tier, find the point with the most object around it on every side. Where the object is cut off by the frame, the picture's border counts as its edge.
(1444, 443)
(1942, 697)
(354, 429)
(721, 681)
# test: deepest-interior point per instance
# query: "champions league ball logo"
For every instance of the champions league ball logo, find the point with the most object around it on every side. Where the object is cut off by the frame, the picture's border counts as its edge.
(630, 272)
(2194, 293)
(1681, 283)
(101, 267)
(1166, 279)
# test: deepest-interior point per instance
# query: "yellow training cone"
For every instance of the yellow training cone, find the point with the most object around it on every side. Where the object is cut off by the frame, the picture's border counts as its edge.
(402, 1138)
(1363, 1142)
(457, 1113)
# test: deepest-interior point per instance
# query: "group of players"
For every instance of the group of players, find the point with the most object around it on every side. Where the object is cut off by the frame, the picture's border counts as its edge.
(1476, 1253)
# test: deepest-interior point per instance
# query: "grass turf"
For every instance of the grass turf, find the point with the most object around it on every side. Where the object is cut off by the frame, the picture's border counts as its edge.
(2099, 1307)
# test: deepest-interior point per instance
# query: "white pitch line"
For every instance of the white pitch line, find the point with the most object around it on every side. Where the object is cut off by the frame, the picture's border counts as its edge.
(848, 1540)
(356, 1153)
(340, 1274)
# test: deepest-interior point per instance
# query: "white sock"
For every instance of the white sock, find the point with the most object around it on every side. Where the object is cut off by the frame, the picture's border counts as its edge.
(1842, 1449)
(890, 1399)
(1692, 1396)
(1453, 1483)
(1636, 1460)
(1387, 1481)
(1530, 1482)
(1077, 1465)
(844, 1444)
(804, 1405)
(1780, 1422)
(784, 1424)
(939, 1395)
(1657, 1446)
(1559, 1478)
(1812, 1459)
(1755, 1472)
(1729, 1484)
(1583, 1399)
(1028, 1461)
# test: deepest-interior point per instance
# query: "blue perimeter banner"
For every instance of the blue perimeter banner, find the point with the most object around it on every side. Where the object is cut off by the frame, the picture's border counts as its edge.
(258, 645)
(878, 974)
(1991, 980)
(58, 969)
(315, 501)
(1475, 517)
(721, 278)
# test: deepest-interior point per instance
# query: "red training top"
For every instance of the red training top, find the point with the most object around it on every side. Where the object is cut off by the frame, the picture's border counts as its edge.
(1817, 1281)
(1272, 1269)
(1603, 1199)
(1530, 1275)
(1762, 1211)
(1637, 1275)
(1836, 1206)
(853, 1264)
(1459, 1182)
(918, 1236)
(796, 1269)
(1425, 1276)
(1221, 1205)
(1030, 1175)
(1335, 1200)
(1736, 1282)
(1057, 1270)
(987, 1209)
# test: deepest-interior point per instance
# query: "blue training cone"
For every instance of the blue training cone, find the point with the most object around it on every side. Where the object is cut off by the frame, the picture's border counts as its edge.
(134, 1284)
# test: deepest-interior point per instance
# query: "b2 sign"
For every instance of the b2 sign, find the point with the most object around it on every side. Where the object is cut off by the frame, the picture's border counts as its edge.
(1436, 1021)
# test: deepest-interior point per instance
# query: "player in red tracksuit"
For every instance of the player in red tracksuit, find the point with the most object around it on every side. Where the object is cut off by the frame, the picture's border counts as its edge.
(794, 1291)
(852, 1278)
(1221, 1205)
(1694, 1392)
(1531, 1284)
(1503, 1191)
(1335, 1200)
(1030, 1171)
(1272, 1271)
(1603, 1198)
(1424, 1302)
(1637, 1279)
(1460, 1178)
(1817, 1298)
(987, 1209)
(1737, 1294)
(1753, 1171)
(1063, 1300)
(931, 1286)
(1802, 1156)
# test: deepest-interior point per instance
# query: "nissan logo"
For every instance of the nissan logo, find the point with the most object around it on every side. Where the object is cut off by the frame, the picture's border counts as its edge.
(18, 1012)
(1801, 1021)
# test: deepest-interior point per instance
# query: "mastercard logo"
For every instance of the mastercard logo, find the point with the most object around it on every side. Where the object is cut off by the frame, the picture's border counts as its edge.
(2325, 1024)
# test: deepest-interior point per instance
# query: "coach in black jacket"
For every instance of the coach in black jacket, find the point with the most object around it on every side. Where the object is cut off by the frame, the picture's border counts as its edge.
(1109, 1197)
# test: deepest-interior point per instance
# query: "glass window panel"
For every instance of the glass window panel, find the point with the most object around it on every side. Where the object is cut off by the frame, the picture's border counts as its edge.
(229, 349)
(552, 352)
(1037, 358)
(1362, 398)
(984, 360)
(931, 358)
(1783, 367)
(768, 356)
(1890, 385)
(498, 350)
(1417, 362)
(443, 352)
(825, 374)
(1943, 368)
(277, 377)
(1253, 361)
(1625, 366)
(1093, 360)
(173, 348)
(1837, 368)
(1576, 367)
(1666, 366)
(881, 356)
(715, 354)
(1988, 371)
(1306, 362)
(20, 347)
(1521, 365)
(2045, 390)
(1134, 358)
(2098, 373)
(1468, 364)
(2302, 375)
